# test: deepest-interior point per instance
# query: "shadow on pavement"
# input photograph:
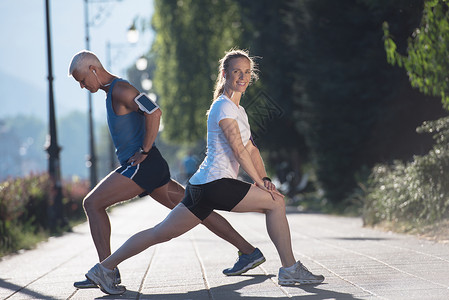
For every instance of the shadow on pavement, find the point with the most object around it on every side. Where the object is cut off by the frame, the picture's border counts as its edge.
(16, 289)
(323, 294)
(230, 292)
(361, 239)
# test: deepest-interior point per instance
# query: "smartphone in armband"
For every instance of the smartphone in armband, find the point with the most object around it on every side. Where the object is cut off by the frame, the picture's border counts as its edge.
(146, 104)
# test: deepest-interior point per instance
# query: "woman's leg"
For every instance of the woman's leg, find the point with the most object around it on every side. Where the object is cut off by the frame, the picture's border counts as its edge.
(172, 193)
(258, 200)
(179, 221)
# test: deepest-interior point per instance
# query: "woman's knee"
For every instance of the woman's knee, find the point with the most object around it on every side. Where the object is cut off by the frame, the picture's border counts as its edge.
(278, 204)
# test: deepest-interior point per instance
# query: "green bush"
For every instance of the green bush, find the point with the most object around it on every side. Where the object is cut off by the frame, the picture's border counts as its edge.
(24, 209)
(414, 193)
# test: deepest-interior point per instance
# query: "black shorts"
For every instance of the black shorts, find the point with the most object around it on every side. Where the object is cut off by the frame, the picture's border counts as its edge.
(150, 174)
(221, 194)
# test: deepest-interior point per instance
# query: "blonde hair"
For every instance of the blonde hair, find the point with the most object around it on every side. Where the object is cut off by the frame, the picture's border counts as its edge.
(82, 59)
(224, 65)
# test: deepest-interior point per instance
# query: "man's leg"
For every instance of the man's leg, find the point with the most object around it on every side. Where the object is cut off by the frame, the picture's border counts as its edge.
(112, 189)
(169, 195)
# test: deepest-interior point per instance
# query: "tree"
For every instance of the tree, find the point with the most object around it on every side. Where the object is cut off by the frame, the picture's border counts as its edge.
(191, 37)
(271, 104)
(426, 61)
(339, 104)
(415, 193)
(351, 100)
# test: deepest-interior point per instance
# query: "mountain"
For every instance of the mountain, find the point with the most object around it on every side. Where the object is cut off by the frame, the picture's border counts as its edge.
(20, 97)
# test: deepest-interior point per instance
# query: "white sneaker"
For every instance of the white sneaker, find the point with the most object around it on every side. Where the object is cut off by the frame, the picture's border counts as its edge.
(299, 275)
(88, 284)
(105, 279)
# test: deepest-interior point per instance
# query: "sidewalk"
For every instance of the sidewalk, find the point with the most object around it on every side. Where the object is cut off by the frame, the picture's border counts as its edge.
(358, 263)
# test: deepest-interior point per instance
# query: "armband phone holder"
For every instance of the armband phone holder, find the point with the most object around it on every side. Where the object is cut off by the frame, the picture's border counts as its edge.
(146, 104)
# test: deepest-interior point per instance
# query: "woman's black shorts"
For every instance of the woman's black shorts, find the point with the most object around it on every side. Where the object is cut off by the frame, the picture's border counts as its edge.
(221, 194)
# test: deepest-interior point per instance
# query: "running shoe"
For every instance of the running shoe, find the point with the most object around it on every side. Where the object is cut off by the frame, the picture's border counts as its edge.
(245, 262)
(87, 284)
(300, 275)
(105, 280)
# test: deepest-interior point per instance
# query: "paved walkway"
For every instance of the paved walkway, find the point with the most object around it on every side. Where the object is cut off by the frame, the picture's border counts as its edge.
(358, 263)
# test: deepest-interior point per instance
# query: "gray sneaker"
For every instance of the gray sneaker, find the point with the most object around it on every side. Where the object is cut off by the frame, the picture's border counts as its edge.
(105, 280)
(299, 275)
(85, 284)
(245, 262)
(88, 284)
(117, 278)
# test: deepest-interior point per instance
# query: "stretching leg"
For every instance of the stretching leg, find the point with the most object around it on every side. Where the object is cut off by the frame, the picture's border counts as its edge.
(258, 200)
(112, 189)
(179, 221)
(172, 193)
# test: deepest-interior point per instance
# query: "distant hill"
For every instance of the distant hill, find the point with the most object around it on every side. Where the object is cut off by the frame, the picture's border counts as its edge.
(19, 97)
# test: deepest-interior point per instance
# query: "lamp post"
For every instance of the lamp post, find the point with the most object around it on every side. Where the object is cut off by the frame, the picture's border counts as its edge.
(55, 209)
(92, 159)
(133, 34)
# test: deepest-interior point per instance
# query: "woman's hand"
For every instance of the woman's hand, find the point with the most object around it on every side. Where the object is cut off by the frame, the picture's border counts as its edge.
(269, 187)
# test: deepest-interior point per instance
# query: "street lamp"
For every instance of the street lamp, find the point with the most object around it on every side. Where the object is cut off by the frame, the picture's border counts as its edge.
(91, 162)
(55, 208)
(141, 63)
(146, 83)
(91, 159)
(133, 34)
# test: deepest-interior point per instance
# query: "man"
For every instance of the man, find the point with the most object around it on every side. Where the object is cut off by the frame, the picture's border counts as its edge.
(133, 121)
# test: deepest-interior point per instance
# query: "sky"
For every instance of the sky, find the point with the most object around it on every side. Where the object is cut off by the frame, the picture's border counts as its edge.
(23, 51)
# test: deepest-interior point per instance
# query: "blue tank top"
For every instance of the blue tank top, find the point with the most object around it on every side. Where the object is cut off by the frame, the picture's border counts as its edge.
(127, 131)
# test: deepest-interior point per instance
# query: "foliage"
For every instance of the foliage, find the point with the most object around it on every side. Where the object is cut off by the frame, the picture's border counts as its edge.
(322, 66)
(350, 99)
(268, 33)
(426, 61)
(414, 192)
(191, 37)
(24, 209)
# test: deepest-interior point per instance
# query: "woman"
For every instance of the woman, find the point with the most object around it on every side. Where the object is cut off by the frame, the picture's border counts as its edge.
(214, 185)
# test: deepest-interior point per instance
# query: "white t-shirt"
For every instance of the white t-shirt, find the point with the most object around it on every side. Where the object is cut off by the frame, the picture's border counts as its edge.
(220, 161)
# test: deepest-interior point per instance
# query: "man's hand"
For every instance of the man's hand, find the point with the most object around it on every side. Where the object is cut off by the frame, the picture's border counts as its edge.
(137, 158)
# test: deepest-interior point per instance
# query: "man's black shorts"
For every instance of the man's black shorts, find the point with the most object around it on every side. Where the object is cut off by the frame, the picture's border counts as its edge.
(150, 174)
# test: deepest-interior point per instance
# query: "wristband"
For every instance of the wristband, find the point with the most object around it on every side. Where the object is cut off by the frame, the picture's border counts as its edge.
(266, 178)
(143, 151)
